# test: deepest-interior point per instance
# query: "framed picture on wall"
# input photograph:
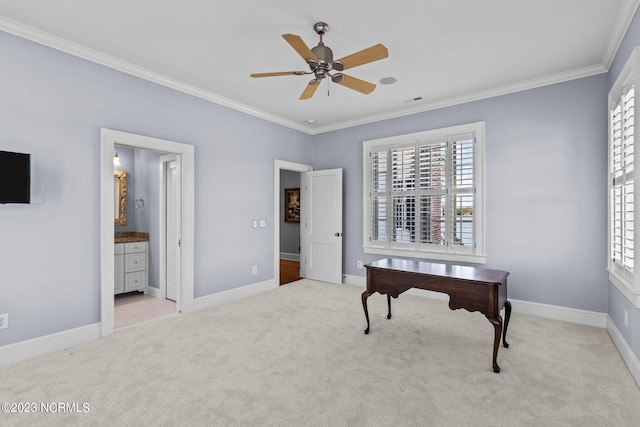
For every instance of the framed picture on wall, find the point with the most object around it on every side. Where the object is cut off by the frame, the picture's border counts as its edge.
(291, 205)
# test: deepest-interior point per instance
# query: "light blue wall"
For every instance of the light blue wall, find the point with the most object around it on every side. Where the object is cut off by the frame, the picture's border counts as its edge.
(618, 303)
(545, 183)
(53, 105)
(144, 208)
(545, 187)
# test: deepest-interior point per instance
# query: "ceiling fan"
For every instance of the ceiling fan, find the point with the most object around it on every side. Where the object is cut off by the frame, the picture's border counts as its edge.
(321, 63)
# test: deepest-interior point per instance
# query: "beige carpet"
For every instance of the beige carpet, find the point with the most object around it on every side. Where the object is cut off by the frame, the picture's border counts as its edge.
(297, 356)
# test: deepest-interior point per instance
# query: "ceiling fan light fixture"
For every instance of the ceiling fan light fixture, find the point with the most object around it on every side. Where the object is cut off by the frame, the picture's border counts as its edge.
(337, 78)
(338, 66)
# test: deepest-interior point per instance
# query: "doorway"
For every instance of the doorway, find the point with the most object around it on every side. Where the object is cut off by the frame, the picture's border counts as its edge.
(321, 221)
(142, 275)
(289, 220)
(283, 167)
(185, 160)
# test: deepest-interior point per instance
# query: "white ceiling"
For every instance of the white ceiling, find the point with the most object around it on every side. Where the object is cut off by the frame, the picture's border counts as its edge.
(444, 51)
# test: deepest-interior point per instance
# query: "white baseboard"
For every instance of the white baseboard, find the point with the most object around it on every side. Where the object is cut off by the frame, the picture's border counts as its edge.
(350, 279)
(22, 350)
(565, 314)
(625, 351)
(555, 312)
(233, 294)
(13, 353)
(154, 292)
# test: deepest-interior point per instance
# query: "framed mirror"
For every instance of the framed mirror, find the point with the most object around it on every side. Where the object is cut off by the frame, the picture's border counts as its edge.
(120, 183)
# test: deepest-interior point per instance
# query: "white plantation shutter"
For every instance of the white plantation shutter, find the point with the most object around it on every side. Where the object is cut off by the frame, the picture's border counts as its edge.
(403, 194)
(622, 142)
(433, 193)
(422, 194)
(463, 189)
(379, 197)
(623, 233)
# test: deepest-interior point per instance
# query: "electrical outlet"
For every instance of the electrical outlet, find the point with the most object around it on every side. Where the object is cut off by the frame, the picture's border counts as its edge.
(626, 318)
(4, 321)
(359, 264)
(254, 269)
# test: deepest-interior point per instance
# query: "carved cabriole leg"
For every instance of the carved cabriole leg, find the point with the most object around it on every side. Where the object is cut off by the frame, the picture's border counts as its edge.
(507, 316)
(365, 295)
(497, 327)
(389, 304)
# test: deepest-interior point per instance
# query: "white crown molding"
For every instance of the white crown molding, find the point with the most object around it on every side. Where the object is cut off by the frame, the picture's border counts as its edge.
(476, 96)
(625, 16)
(66, 46)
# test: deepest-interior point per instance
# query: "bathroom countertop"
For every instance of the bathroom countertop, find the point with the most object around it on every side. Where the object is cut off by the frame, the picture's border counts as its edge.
(130, 236)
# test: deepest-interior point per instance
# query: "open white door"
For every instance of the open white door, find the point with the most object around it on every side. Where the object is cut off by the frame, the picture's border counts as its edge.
(173, 186)
(322, 225)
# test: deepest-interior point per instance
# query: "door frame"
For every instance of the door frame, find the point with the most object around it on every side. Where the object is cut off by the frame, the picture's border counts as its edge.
(279, 165)
(108, 139)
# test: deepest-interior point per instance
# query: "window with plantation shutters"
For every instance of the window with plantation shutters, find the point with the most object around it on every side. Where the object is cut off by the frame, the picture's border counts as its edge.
(423, 194)
(622, 241)
(622, 159)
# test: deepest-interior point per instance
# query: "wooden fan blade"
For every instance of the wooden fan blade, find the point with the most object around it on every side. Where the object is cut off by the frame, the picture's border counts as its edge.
(300, 46)
(357, 84)
(365, 56)
(309, 91)
(279, 73)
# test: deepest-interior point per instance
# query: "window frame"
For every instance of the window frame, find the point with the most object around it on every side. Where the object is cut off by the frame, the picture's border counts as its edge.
(418, 249)
(628, 282)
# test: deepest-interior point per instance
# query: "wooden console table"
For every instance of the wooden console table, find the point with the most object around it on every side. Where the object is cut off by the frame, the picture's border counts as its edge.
(471, 288)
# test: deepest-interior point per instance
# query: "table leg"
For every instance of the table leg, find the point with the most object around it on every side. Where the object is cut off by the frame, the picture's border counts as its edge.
(497, 327)
(365, 295)
(389, 304)
(507, 316)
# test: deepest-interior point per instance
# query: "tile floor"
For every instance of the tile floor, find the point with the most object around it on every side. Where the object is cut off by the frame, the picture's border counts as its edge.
(136, 307)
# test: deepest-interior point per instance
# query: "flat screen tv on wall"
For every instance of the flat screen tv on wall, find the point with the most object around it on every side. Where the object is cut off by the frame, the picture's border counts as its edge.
(15, 177)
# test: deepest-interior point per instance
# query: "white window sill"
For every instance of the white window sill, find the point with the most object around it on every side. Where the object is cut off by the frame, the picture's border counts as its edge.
(436, 256)
(625, 287)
